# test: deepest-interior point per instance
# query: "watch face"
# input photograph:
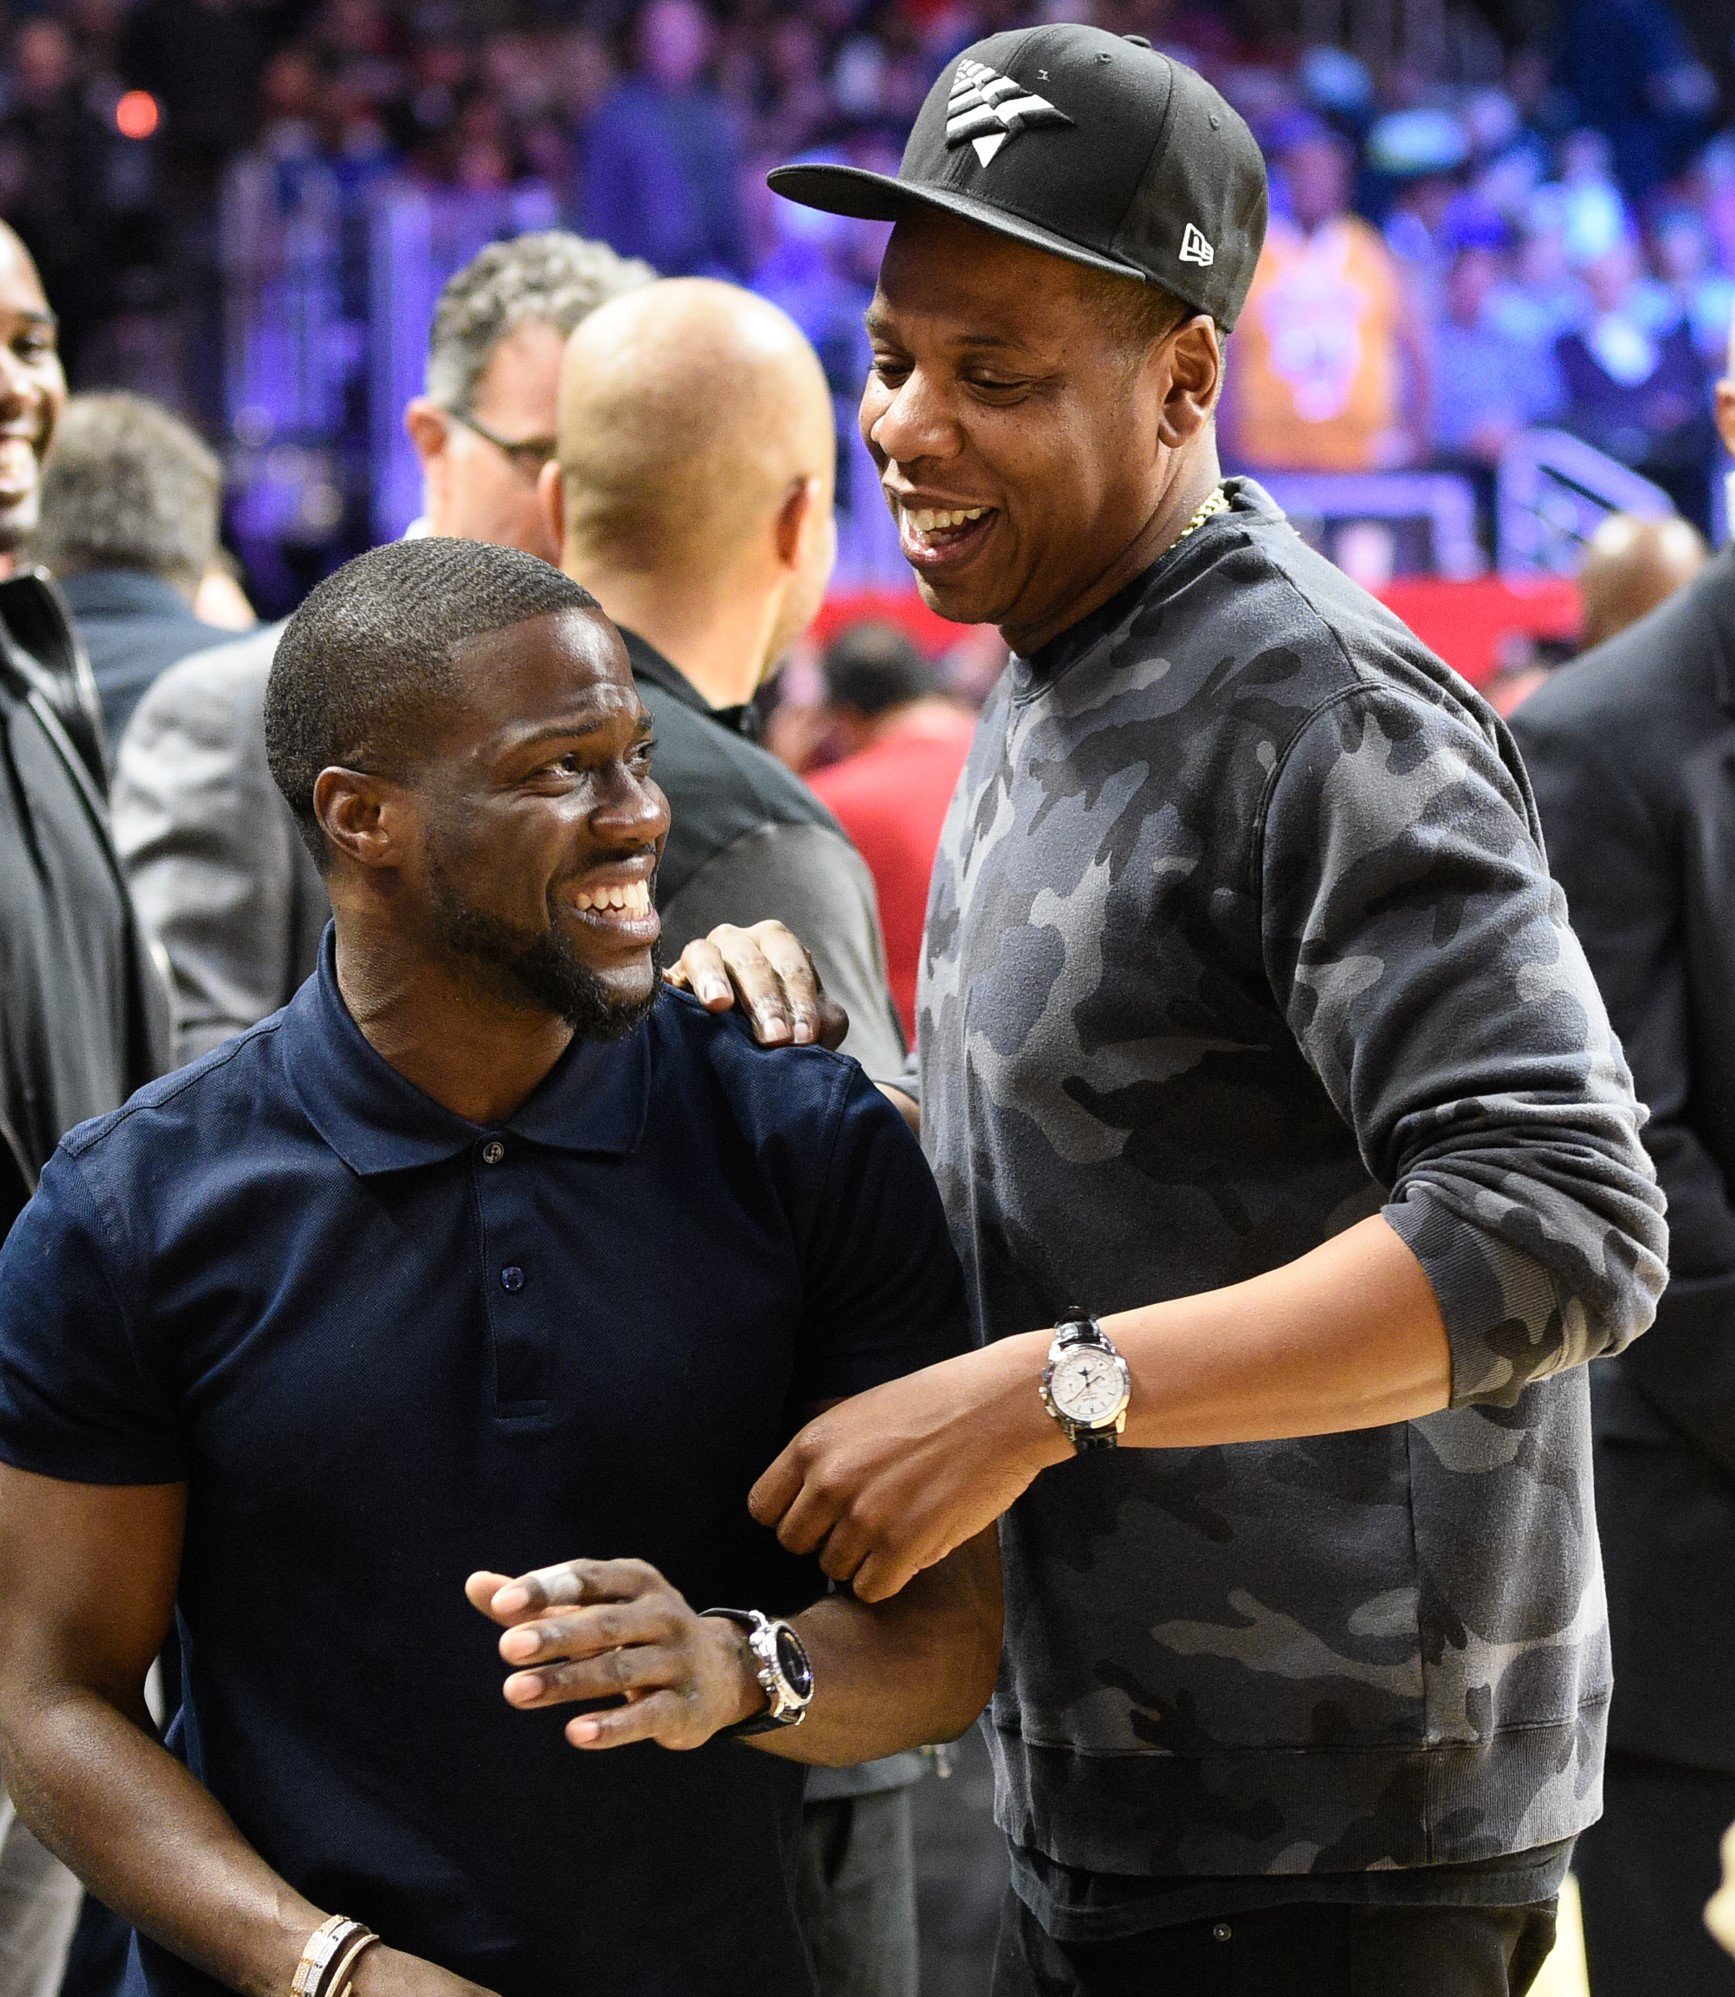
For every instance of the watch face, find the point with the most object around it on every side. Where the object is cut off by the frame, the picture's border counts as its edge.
(793, 1663)
(1087, 1386)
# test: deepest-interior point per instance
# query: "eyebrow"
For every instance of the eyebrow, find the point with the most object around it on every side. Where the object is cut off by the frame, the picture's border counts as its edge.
(879, 326)
(32, 315)
(561, 731)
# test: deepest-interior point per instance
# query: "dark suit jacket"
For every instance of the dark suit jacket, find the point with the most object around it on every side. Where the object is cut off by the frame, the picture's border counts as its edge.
(1632, 754)
(134, 627)
(82, 1047)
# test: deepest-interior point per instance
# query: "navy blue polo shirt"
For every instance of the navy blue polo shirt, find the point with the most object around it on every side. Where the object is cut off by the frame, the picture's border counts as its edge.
(385, 1347)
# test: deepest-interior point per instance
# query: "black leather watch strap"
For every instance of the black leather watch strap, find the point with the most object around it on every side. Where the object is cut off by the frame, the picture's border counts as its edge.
(1084, 1439)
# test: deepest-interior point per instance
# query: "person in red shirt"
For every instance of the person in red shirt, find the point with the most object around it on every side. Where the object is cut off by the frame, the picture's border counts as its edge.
(903, 746)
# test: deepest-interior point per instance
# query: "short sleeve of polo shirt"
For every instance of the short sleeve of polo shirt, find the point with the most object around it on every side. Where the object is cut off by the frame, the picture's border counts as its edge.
(883, 1293)
(76, 1401)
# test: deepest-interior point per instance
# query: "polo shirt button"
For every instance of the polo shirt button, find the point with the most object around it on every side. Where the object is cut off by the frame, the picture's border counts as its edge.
(512, 1277)
(1221, 1932)
(493, 1151)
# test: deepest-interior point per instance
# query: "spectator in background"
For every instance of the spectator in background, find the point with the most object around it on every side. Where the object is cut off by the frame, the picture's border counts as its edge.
(130, 502)
(662, 158)
(82, 1023)
(1330, 374)
(1488, 383)
(1688, 286)
(1631, 752)
(902, 745)
(1542, 296)
(697, 456)
(1632, 566)
(1641, 396)
(218, 874)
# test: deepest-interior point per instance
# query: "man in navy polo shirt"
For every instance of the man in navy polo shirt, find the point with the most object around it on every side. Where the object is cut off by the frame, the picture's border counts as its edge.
(480, 1259)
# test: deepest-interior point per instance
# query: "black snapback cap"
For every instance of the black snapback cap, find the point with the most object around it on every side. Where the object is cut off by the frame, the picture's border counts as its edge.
(1091, 145)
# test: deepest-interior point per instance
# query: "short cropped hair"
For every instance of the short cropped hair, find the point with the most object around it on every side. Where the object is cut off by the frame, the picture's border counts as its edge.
(872, 668)
(128, 486)
(550, 277)
(373, 649)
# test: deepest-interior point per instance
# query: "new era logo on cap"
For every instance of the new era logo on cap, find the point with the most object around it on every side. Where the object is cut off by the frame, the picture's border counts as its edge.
(986, 109)
(1195, 249)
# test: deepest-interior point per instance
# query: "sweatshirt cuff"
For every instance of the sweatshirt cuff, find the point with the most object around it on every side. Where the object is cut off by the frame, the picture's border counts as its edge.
(1508, 1320)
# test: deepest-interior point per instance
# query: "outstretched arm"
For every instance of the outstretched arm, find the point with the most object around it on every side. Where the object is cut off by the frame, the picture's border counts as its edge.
(87, 1587)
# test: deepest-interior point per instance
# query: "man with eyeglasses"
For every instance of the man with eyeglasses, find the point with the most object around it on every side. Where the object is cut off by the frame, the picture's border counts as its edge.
(216, 870)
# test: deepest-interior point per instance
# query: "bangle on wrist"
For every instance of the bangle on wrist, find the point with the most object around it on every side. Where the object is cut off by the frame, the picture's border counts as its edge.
(328, 1961)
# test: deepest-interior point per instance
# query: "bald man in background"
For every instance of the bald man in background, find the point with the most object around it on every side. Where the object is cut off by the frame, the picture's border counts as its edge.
(1631, 752)
(692, 495)
(1630, 567)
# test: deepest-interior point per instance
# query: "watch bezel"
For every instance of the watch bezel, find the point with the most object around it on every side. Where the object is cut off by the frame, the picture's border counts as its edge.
(1067, 1362)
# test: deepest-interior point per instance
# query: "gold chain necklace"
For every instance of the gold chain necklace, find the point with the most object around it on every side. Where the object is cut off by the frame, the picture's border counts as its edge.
(1218, 502)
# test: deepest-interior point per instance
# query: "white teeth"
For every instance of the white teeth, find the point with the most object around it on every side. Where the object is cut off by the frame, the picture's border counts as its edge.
(632, 898)
(934, 520)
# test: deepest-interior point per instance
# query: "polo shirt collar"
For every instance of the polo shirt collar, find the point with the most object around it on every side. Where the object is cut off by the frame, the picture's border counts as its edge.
(649, 664)
(593, 1099)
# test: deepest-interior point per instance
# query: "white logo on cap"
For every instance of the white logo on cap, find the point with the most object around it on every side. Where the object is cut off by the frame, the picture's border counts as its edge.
(986, 109)
(1195, 249)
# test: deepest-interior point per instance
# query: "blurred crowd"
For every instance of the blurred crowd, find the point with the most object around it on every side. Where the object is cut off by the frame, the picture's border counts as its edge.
(1533, 234)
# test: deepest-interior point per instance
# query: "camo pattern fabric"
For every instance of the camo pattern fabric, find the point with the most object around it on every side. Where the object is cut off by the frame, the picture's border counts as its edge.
(1241, 931)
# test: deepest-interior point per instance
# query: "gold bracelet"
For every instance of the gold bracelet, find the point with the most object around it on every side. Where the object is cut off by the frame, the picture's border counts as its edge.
(329, 1957)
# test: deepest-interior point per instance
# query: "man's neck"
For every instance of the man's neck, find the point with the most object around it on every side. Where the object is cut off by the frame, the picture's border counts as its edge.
(718, 637)
(474, 1056)
(1197, 475)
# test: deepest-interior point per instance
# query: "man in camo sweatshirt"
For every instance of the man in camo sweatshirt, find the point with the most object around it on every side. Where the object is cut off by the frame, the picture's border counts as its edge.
(1250, 1021)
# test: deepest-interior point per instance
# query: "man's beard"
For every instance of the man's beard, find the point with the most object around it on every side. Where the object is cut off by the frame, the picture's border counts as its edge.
(539, 970)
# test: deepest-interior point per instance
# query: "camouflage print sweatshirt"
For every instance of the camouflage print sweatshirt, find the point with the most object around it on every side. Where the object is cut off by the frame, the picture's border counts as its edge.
(1241, 931)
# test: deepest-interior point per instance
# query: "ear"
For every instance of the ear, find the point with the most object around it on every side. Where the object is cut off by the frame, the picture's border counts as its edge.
(551, 497)
(429, 429)
(795, 521)
(364, 818)
(1193, 356)
(1726, 413)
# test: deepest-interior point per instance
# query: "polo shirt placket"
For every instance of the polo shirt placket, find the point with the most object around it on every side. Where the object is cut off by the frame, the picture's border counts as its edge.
(514, 1304)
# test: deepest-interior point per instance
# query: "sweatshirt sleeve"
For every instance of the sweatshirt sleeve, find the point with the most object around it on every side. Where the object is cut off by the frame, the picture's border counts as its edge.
(1422, 956)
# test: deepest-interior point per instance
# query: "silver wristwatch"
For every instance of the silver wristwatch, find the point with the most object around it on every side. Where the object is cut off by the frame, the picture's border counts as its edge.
(1086, 1385)
(784, 1671)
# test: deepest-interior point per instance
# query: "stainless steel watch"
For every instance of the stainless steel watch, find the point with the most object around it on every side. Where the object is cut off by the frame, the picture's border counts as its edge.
(1086, 1385)
(784, 1670)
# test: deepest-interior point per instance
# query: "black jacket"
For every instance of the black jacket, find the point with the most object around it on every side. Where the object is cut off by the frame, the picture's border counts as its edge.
(1632, 754)
(748, 841)
(85, 1016)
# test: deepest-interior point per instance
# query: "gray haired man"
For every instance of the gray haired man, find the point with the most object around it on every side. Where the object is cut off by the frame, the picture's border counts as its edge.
(130, 499)
(218, 874)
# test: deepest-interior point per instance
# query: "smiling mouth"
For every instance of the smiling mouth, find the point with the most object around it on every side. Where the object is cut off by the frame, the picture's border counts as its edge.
(621, 910)
(937, 538)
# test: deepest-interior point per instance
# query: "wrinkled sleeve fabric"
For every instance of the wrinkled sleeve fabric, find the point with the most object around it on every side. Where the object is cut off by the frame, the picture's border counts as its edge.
(1422, 957)
(207, 846)
(811, 879)
(79, 1400)
(882, 1290)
